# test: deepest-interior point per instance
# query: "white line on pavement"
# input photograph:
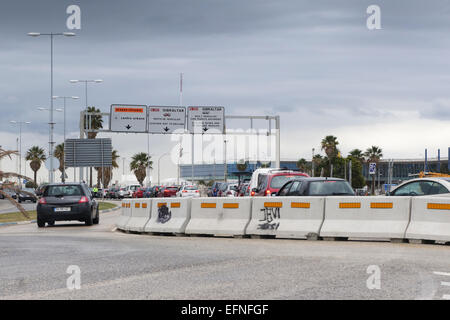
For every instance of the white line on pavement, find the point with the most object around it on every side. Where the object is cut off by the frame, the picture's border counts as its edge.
(442, 273)
(445, 283)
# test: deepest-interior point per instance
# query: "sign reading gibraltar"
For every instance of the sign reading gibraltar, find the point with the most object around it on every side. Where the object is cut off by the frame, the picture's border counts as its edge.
(128, 118)
(203, 119)
(166, 119)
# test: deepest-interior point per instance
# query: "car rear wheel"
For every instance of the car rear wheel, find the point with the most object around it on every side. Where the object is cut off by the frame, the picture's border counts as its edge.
(40, 223)
(96, 220)
(51, 223)
(89, 221)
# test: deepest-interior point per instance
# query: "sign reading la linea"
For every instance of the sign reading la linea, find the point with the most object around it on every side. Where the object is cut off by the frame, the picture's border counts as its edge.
(128, 118)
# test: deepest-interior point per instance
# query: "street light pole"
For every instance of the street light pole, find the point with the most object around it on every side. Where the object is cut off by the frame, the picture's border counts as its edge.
(64, 109)
(86, 117)
(51, 123)
(20, 144)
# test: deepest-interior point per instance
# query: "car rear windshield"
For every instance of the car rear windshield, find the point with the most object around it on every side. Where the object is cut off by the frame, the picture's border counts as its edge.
(171, 188)
(67, 190)
(329, 188)
(278, 181)
(190, 188)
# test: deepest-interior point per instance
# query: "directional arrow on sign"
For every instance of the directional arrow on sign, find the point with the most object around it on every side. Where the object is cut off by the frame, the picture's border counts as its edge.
(166, 129)
(205, 129)
(128, 127)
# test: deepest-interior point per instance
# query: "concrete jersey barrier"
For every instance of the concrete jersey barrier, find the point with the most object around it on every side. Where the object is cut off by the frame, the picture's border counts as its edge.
(125, 214)
(287, 217)
(219, 216)
(430, 219)
(366, 217)
(169, 215)
(140, 215)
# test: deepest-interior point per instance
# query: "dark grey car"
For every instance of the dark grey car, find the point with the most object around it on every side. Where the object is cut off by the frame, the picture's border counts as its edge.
(64, 202)
(316, 187)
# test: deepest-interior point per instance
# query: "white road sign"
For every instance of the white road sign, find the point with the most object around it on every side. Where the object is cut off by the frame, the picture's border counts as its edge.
(166, 119)
(203, 119)
(372, 168)
(128, 118)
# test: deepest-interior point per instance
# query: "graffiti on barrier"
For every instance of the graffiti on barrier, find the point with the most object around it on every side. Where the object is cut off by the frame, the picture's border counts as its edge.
(164, 214)
(271, 219)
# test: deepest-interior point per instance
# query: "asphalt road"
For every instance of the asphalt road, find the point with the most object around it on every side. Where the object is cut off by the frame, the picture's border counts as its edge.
(114, 265)
(7, 207)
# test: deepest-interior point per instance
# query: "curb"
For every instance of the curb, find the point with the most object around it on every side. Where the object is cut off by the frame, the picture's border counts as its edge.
(4, 224)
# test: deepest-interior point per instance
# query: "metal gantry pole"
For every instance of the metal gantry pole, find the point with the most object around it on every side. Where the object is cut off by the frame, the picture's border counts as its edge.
(51, 111)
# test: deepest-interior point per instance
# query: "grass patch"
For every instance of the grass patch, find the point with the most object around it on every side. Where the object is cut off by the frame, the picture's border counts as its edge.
(18, 216)
(106, 205)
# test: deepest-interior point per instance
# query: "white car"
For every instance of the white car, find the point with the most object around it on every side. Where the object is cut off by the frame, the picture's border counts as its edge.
(188, 191)
(230, 191)
(423, 187)
(128, 192)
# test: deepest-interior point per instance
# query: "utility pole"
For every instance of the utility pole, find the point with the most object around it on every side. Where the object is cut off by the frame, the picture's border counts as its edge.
(225, 160)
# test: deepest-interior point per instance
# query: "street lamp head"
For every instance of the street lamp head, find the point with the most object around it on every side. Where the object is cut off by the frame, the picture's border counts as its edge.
(33, 34)
(41, 108)
(98, 80)
(59, 109)
(13, 121)
(69, 34)
(55, 97)
(73, 81)
(27, 122)
(75, 97)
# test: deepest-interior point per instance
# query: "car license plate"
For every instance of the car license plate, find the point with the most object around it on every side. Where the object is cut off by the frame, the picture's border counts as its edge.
(62, 209)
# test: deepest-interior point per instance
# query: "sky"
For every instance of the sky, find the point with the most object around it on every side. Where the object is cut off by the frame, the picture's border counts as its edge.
(313, 63)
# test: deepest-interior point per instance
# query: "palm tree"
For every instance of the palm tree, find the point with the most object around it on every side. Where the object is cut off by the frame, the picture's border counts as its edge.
(36, 155)
(59, 154)
(139, 163)
(95, 123)
(301, 164)
(329, 145)
(373, 154)
(10, 185)
(357, 154)
(107, 172)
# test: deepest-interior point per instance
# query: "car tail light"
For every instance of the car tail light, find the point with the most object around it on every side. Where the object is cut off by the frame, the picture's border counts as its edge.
(268, 192)
(252, 193)
(42, 201)
(196, 191)
(184, 191)
(83, 199)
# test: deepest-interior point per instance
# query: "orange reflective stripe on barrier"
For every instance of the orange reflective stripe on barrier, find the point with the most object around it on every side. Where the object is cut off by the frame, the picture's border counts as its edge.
(349, 205)
(273, 204)
(304, 205)
(231, 205)
(438, 206)
(205, 205)
(381, 205)
(160, 204)
(175, 205)
(144, 205)
(137, 205)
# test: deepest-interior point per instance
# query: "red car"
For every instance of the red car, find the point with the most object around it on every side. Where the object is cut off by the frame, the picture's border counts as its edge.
(138, 193)
(270, 183)
(167, 192)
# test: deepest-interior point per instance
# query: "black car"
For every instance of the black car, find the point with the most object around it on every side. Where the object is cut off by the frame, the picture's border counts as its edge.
(316, 187)
(27, 194)
(68, 201)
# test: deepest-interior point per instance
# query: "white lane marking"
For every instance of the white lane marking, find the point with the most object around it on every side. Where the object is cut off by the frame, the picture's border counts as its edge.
(446, 297)
(442, 273)
(443, 283)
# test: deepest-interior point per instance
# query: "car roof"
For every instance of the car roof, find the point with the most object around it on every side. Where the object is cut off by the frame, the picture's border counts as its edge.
(318, 179)
(446, 181)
